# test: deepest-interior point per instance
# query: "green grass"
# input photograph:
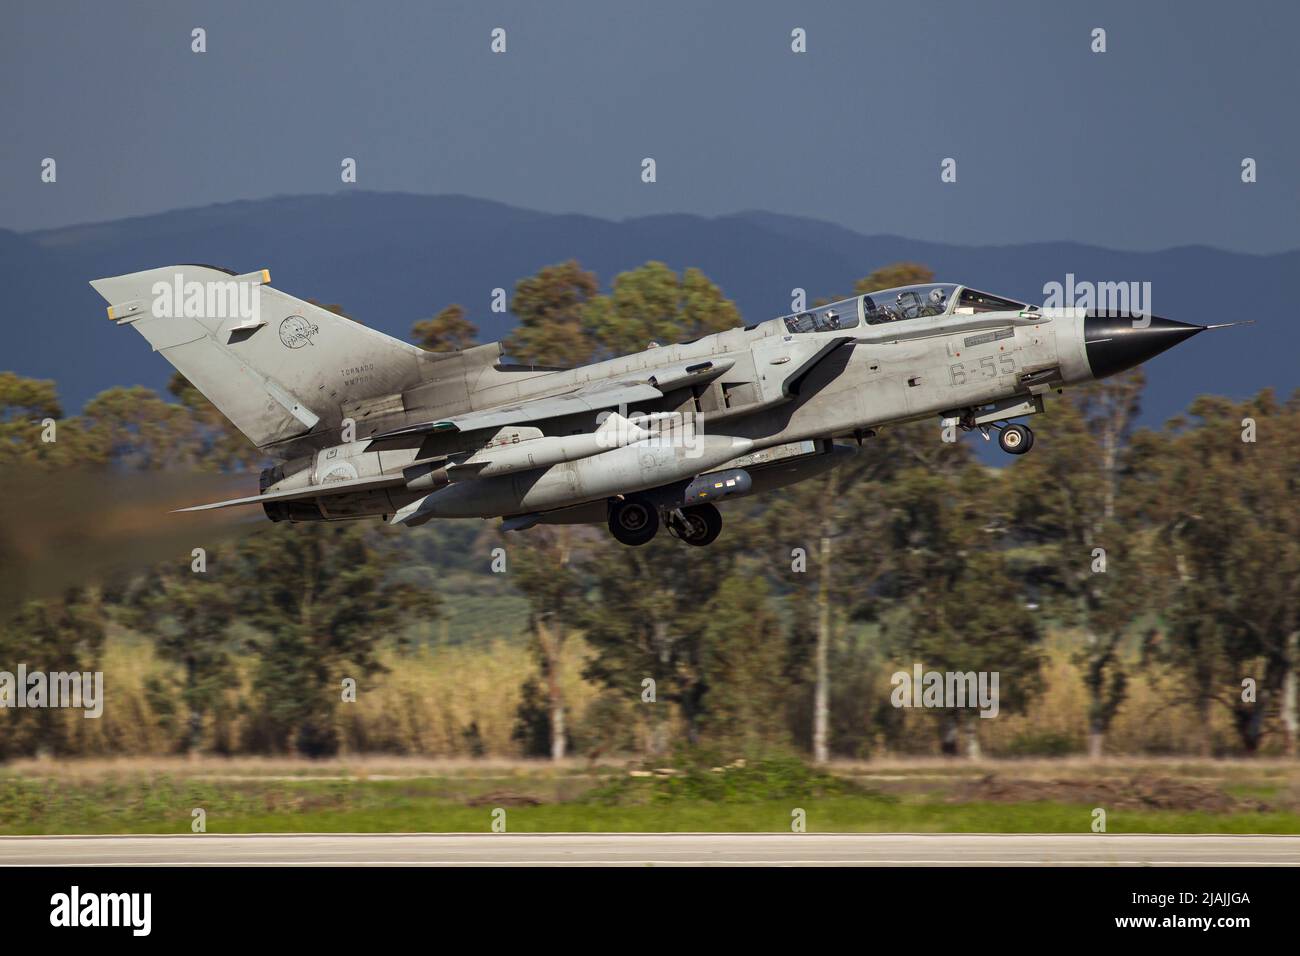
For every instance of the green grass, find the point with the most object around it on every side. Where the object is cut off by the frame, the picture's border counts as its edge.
(615, 803)
(1260, 791)
(836, 814)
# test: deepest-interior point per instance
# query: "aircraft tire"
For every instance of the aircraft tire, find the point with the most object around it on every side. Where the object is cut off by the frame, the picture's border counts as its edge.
(633, 521)
(1015, 439)
(703, 525)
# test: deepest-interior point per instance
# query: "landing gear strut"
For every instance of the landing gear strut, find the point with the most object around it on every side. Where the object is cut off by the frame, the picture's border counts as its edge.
(633, 521)
(1015, 439)
(697, 525)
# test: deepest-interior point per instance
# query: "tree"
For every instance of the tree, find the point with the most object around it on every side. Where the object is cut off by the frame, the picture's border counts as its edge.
(550, 309)
(324, 595)
(59, 635)
(25, 405)
(1110, 408)
(741, 666)
(1228, 513)
(963, 611)
(653, 304)
(187, 615)
(448, 331)
(1091, 560)
(133, 428)
(24, 401)
(544, 573)
(648, 619)
(839, 522)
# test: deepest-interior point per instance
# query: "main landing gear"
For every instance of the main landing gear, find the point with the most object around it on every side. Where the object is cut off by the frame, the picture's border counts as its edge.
(698, 525)
(634, 521)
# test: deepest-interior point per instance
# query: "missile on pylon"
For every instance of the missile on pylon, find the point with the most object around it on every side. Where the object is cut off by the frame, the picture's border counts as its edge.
(645, 463)
(507, 458)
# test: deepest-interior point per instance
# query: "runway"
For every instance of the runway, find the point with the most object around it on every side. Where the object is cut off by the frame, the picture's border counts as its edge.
(645, 849)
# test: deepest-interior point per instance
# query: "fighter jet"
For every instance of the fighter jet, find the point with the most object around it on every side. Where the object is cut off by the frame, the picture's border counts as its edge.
(360, 424)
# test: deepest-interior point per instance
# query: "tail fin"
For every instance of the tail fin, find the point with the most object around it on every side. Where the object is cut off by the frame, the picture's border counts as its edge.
(277, 367)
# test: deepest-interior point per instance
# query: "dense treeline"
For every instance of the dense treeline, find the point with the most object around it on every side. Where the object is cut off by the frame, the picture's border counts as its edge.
(1131, 587)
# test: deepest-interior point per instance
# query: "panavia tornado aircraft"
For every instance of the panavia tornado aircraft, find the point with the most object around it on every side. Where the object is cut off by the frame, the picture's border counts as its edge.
(365, 425)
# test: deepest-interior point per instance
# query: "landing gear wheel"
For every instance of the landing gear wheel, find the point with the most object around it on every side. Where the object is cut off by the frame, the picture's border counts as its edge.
(633, 521)
(1015, 439)
(701, 526)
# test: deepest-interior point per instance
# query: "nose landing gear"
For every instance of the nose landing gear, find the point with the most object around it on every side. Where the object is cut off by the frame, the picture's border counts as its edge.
(1015, 439)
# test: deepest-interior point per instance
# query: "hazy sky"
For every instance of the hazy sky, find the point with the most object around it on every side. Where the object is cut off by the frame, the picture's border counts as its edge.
(1139, 147)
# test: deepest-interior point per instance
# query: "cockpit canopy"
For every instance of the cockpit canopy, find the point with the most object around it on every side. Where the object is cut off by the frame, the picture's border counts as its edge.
(908, 302)
(845, 314)
(897, 305)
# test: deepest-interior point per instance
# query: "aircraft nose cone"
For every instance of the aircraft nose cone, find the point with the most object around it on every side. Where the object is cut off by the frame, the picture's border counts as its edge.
(1116, 341)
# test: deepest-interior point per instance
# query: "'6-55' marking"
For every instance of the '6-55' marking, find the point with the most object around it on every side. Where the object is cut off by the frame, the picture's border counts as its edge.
(989, 367)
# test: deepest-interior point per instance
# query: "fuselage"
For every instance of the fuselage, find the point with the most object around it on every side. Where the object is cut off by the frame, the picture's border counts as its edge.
(844, 369)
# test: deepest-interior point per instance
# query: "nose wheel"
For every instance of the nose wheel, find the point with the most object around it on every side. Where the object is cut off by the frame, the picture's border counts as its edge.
(1015, 439)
